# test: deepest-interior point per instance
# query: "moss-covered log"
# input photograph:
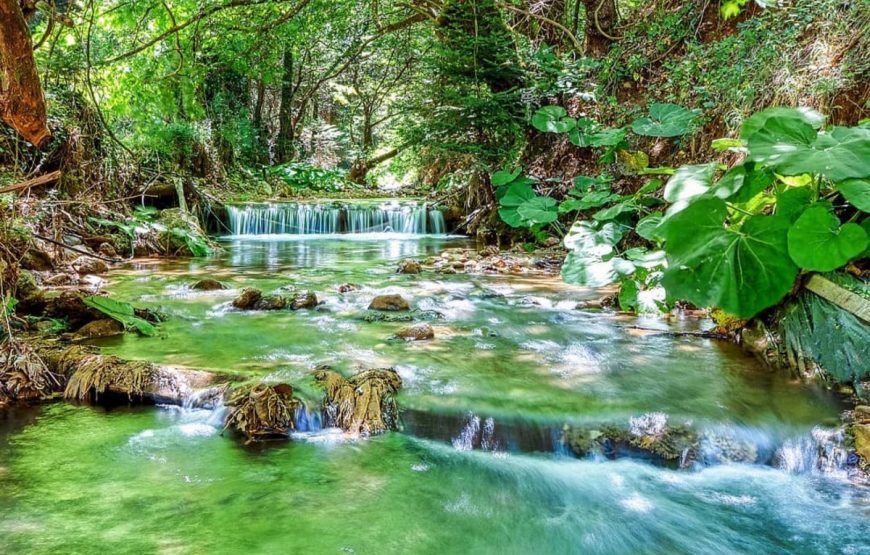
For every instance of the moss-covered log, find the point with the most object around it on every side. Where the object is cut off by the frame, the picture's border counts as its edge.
(362, 404)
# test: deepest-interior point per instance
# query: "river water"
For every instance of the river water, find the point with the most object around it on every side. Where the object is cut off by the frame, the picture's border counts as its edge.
(479, 466)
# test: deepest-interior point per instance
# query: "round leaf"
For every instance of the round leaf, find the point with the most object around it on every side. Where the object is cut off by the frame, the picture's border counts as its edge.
(741, 271)
(857, 192)
(816, 241)
(665, 120)
(539, 210)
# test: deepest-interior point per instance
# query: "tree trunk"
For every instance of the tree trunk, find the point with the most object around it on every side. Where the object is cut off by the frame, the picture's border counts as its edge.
(284, 150)
(361, 167)
(22, 105)
(259, 125)
(602, 18)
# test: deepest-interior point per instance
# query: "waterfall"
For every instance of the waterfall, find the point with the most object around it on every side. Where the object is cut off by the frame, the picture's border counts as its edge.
(328, 218)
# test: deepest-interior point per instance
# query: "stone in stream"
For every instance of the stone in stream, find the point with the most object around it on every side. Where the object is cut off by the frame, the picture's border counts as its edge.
(105, 327)
(89, 265)
(248, 298)
(208, 284)
(253, 299)
(416, 332)
(389, 303)
(365, 403)
(305, 299)
(409, 266)
(348, 287)
(262, 411)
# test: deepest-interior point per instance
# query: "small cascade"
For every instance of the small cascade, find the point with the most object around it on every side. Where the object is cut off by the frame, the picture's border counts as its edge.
(475, 435)
(820, 452)
(330, 218)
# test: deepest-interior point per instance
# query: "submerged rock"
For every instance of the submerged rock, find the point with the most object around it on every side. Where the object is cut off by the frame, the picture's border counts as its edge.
(381, 317)
(649, 435)
(389, 303)
(262, 411)
(348, 287)
(101, 328)
(208, 284)
(253, 299)
(409, 267)
(304, 299)
(271, 302)
(362, 404)
(416, 332)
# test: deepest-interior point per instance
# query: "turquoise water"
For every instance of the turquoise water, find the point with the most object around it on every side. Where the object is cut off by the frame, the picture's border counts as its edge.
(478, 466)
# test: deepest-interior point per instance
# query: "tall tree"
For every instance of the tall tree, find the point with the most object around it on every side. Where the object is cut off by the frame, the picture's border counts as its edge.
(22, 104)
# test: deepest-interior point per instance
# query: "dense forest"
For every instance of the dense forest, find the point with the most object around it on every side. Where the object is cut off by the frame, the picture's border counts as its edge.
(621, 241)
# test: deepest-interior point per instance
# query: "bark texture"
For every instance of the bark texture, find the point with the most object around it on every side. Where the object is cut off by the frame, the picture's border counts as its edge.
(22, 105)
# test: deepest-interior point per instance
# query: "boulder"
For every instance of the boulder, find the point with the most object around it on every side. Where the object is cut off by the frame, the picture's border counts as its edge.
(262, 411)
(208, 284)
(416, 332)
(101, 328)
(31, 299)
(58, 280)
(305, 299)
(271, 302)
(247, 298)
(348, 287)
(409, 267)
(89, 265)
(108, 250)
(390, 303)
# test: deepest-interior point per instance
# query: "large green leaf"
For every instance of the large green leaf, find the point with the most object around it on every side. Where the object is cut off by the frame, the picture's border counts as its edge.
(816, 241)
(665, 120)
(503, 177)
(591, 261)
(689, 182)
(742, 271)
(648, 225)
(742, 182)
(553, 119)
(857, 192)
(120, 311)
(539, 210)
(788, 142)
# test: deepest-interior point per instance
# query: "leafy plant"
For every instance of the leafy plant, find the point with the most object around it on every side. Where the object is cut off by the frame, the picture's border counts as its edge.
(121, 312)
(665, 120)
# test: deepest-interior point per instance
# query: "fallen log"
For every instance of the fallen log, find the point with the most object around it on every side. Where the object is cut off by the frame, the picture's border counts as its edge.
(845, 299)
(36, 181)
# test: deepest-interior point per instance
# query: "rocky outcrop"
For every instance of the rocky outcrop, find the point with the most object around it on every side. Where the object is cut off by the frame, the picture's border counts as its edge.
(389, 303)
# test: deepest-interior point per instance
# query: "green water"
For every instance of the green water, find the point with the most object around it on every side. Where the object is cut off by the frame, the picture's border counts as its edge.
(478, 467)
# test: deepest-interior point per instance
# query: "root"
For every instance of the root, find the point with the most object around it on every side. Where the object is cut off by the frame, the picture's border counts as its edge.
(24, 375)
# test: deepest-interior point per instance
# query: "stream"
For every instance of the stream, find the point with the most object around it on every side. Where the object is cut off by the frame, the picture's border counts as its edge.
(479, 465)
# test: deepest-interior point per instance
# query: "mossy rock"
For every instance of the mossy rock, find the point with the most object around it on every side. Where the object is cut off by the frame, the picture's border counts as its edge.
(365, 403)
(262, 411)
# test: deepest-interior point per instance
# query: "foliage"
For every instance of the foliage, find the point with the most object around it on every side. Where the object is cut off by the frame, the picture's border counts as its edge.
(121, 312)
(302, 175)
(734, 239)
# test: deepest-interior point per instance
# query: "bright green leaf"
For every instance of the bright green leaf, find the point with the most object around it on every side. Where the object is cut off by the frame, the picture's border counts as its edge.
(665, 120)
(816, 241)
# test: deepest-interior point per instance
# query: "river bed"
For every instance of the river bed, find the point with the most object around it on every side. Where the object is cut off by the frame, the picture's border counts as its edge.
(479, 465)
